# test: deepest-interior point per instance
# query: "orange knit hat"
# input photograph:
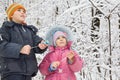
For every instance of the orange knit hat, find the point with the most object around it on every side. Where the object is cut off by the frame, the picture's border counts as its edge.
(12, 8)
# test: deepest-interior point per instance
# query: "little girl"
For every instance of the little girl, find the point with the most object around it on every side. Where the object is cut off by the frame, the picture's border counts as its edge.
(61, 62)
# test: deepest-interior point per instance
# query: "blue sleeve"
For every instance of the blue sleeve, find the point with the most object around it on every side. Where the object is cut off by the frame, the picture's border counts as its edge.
(69, 62)
(51, 68)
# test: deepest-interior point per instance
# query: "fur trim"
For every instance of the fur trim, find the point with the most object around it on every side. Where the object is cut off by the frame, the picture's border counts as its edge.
(50, 33)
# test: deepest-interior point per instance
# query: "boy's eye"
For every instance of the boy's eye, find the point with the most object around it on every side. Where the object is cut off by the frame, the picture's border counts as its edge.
(18, 10)
(21, 10)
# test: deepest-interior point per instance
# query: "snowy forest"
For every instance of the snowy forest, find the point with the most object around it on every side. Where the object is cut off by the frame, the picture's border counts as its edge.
(95, 25)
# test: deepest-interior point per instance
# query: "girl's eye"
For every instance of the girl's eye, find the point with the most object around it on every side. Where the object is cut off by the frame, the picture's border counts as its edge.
(63, 37)
(58, 38)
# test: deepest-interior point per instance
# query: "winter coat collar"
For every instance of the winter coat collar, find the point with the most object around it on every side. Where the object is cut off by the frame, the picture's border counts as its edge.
(8, 24)
(11, 24)
(53, 48)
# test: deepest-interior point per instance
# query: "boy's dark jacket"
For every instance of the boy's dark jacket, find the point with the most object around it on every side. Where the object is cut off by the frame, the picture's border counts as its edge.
(13, 37)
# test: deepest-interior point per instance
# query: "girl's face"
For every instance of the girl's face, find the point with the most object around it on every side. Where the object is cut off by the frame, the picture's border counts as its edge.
(61, 41)
(19, 16)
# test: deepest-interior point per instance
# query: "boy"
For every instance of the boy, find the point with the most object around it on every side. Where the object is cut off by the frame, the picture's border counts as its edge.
(17, 46)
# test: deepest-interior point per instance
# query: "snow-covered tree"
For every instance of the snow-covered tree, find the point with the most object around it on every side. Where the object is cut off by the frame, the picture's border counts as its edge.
(95, 25)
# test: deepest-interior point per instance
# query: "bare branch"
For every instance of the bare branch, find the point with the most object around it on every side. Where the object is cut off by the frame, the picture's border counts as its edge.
(113, 9)
(96, 7)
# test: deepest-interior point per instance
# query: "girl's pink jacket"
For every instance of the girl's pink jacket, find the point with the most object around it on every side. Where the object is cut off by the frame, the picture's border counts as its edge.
(65, 71)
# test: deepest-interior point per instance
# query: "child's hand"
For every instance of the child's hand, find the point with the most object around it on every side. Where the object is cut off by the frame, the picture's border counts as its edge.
(70, 56)
(55, 64)
(25, 49)
(42, 45)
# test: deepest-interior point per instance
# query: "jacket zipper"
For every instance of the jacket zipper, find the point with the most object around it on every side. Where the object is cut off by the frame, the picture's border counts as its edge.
(24, 56)
(23, 29)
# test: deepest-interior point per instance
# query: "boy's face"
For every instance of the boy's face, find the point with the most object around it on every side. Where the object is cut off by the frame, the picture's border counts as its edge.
(19, 16)
(61, 41)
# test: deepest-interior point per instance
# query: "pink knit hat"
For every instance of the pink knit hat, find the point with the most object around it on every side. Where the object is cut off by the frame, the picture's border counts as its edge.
(58, 34)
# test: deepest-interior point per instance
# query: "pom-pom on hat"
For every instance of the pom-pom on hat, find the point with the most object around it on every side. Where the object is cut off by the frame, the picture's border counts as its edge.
(12, 8)
(58, 34)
